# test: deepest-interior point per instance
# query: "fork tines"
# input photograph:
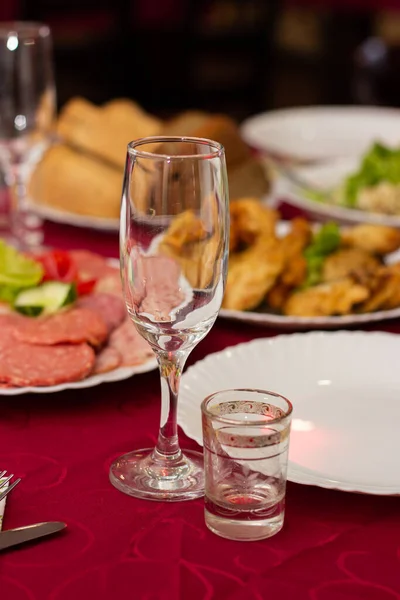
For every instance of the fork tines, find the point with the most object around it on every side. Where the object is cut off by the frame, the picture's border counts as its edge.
(4, 487)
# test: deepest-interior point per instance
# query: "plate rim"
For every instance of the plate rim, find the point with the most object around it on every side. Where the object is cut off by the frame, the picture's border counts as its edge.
(64, 217)
(248, 126)
(316, 323)
(119, 374)
(296, 475)
(290, 194)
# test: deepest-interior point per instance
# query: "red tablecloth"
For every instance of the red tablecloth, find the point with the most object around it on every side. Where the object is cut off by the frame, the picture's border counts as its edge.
(333, 546)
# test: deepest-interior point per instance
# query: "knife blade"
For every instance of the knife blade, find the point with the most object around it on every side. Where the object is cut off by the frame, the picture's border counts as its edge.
(20, 535)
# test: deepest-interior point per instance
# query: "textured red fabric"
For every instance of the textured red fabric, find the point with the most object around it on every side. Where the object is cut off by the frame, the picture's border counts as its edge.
(334, 545)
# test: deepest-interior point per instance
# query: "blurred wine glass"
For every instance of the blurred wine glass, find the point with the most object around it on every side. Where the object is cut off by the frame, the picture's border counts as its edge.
(27, 112)
(174, 252)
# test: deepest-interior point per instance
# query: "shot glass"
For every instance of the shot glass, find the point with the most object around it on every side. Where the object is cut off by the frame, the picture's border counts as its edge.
(246, 441)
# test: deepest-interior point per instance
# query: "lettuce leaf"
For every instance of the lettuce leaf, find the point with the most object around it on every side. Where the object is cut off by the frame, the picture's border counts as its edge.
(17, 272)
(325, 241)
(379, 164)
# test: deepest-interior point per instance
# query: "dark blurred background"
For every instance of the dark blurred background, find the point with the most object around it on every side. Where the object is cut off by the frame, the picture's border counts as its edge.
(233, 56)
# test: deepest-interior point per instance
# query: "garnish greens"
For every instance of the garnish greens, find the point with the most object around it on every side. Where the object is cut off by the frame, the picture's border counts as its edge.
(17, 272)
(325, 241)
(379, 164)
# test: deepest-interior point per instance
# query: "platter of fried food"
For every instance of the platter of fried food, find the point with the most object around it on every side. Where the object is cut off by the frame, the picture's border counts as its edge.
(295, 274)
(299, 274)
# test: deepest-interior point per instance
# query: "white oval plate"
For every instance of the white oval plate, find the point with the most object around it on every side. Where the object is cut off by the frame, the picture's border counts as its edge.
(282, 322)
(315, 133)
(345, 389)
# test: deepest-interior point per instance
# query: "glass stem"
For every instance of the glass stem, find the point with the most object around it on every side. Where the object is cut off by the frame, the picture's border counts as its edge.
(171, 366)
(25, 225)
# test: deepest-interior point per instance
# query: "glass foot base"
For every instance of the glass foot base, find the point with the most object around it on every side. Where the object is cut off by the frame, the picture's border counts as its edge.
(142, 475)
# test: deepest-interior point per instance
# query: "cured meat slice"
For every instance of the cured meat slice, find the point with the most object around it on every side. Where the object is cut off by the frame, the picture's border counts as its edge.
(73, 326)
(7, 323)
(133, 349)
(22, 366)
(108, 359)
(110, 308)
(91, 265)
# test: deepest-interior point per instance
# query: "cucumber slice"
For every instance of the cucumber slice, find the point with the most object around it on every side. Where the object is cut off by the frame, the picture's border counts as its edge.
(45, 299)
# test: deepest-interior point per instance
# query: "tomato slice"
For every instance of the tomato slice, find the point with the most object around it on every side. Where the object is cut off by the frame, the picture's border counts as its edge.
(58, 266)
(85, 286)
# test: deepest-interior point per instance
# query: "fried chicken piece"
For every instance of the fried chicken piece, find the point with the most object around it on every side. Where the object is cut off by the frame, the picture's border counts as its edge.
(278, 295)
(349, 262)
(376, 239)
(295, 269)
(188, 241)
(185, 228)
(250, 220)
(252, 273)
(384, 290)
(334, 298)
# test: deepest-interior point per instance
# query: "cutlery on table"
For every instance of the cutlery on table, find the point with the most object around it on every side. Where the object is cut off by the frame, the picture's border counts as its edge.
(4, 487)
(20, 535)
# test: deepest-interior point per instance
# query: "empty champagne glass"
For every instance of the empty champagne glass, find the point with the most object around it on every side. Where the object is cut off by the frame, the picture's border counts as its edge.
(27, 112)
(174, 252)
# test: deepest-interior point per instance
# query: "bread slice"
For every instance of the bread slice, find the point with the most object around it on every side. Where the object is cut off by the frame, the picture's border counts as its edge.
(104, 131)
(249, 178)
(246, 175)
(68, 180)
(219, 128)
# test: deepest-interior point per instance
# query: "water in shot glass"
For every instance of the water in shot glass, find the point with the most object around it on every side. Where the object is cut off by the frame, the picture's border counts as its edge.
(246, 442)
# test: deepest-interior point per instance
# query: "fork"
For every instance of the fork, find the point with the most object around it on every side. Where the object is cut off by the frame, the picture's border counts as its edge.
(4, 482)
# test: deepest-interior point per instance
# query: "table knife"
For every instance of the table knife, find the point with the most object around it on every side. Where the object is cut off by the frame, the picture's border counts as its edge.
(12, 537)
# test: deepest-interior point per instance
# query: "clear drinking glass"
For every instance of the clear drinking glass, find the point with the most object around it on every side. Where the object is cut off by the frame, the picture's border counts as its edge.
(174, 253)
(27, 112)
(246, 443)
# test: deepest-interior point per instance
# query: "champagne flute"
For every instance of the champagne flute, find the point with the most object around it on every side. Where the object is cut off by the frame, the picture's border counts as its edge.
(27, 112)
(174, 239)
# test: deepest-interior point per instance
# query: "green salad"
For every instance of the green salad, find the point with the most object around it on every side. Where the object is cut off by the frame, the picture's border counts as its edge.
(379, 166)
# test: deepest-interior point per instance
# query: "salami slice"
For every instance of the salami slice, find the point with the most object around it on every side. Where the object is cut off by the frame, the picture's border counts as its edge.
(133, 349)
(22, 366)
(108, 359)
(110, 308)
(73, 326)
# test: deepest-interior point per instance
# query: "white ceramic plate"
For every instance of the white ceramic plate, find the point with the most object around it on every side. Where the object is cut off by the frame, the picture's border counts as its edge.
(283, 322)
(67, 218)
(316, 133)
(266, 319)
(345, 389)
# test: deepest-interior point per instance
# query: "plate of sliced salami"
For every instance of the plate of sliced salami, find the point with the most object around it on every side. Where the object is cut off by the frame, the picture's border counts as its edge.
(85, 342)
